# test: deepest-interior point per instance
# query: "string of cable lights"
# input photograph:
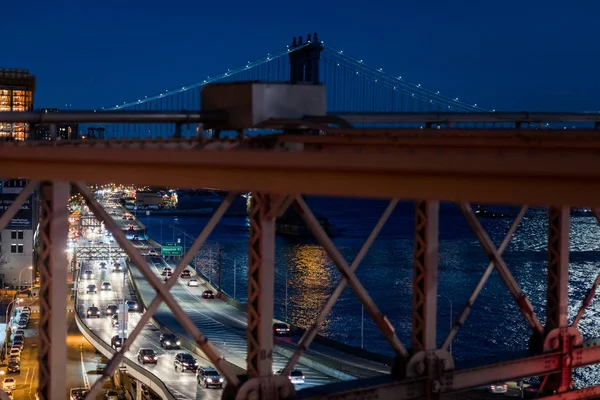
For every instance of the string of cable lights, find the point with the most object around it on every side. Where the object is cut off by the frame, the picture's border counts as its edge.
(330, 55)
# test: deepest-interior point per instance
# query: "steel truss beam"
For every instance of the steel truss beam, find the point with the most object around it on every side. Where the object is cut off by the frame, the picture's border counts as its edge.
(462, 317)
(96, 253)
(53, 290)
(261, 286)
(386, 388)
(163, 293)
(311, 332)
(334, 254)
(507, 277)
(534, 175)
(557, 302)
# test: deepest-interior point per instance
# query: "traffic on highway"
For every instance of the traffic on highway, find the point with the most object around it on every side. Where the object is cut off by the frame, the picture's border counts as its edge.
(105, 295)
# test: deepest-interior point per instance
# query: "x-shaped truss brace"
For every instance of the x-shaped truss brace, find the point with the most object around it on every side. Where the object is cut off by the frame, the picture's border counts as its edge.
(348, 277)
(507, 277)
(589, 297)
(162, 290)
(462, 317)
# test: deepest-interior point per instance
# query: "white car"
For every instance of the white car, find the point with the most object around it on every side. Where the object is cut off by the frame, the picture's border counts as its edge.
(15, 351)
(9, 384)
(193, 282)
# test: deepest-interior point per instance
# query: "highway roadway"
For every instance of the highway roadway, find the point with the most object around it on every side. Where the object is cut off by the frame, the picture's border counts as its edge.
(181, 385)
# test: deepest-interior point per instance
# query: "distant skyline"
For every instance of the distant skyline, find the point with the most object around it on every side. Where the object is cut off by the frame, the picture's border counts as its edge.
(503, 55)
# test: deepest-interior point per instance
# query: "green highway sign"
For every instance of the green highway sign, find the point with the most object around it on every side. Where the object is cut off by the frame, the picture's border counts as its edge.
(171, 251)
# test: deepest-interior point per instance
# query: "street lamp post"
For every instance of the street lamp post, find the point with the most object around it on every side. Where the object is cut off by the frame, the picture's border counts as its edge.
(18, 300)
(20, 273)
(450, 318)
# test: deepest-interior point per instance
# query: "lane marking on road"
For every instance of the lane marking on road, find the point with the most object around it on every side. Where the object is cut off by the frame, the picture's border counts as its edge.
(86, 381)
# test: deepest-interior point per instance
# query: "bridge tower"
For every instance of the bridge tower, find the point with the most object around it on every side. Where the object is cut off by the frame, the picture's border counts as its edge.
(304, 62)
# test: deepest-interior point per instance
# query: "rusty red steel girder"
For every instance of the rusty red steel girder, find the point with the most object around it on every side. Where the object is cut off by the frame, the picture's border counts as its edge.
(452, 165)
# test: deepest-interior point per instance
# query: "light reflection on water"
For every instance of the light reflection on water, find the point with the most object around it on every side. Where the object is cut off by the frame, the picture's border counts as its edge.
(494, 326)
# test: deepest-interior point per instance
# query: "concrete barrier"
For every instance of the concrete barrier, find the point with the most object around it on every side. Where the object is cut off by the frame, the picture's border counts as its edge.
(136, 371)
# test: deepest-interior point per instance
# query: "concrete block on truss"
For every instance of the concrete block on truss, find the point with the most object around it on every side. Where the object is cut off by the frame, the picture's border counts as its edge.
(250, 103)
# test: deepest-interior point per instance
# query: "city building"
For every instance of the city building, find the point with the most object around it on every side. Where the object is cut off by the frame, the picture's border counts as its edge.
(17, 239)
(64, 131)
(17, 88)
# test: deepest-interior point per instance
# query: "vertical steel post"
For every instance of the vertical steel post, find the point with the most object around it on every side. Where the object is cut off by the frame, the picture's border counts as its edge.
(261, 287)
(425, 264)
(557, 301)
(53, 290)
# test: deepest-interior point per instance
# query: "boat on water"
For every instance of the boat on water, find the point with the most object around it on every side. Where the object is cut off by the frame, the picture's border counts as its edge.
(206, 201)
(581, 212)
(482, 212)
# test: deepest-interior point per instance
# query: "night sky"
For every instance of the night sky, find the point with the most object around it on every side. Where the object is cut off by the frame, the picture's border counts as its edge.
(503, 55)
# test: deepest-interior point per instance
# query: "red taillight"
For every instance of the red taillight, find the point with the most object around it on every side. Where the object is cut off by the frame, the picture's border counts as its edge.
(506, 387)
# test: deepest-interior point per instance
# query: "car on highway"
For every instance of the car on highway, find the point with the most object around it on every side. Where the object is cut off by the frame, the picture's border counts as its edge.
(93, 312)
(15, 350)
(111, 395)
(147, 356)
(169, 341)
(296, 376)
(116, 342)
(114, 321)
(17, 339)
(208, 294)
(186, 273)
(87, 274)
(124, 217)
(130, 219)
(209, 377)
(9, 384)
(133, 306)
(185, 362)
(91, 289)
(497, 388)
(13, 366)
(25, 310)
(136, 237)
(117, 268)
(106, 286)
(281, 329)
(78, 394)
(152, 252)
(20, 332)
(167, 271)
(23, 321)
(112, 309)
(193, 282)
